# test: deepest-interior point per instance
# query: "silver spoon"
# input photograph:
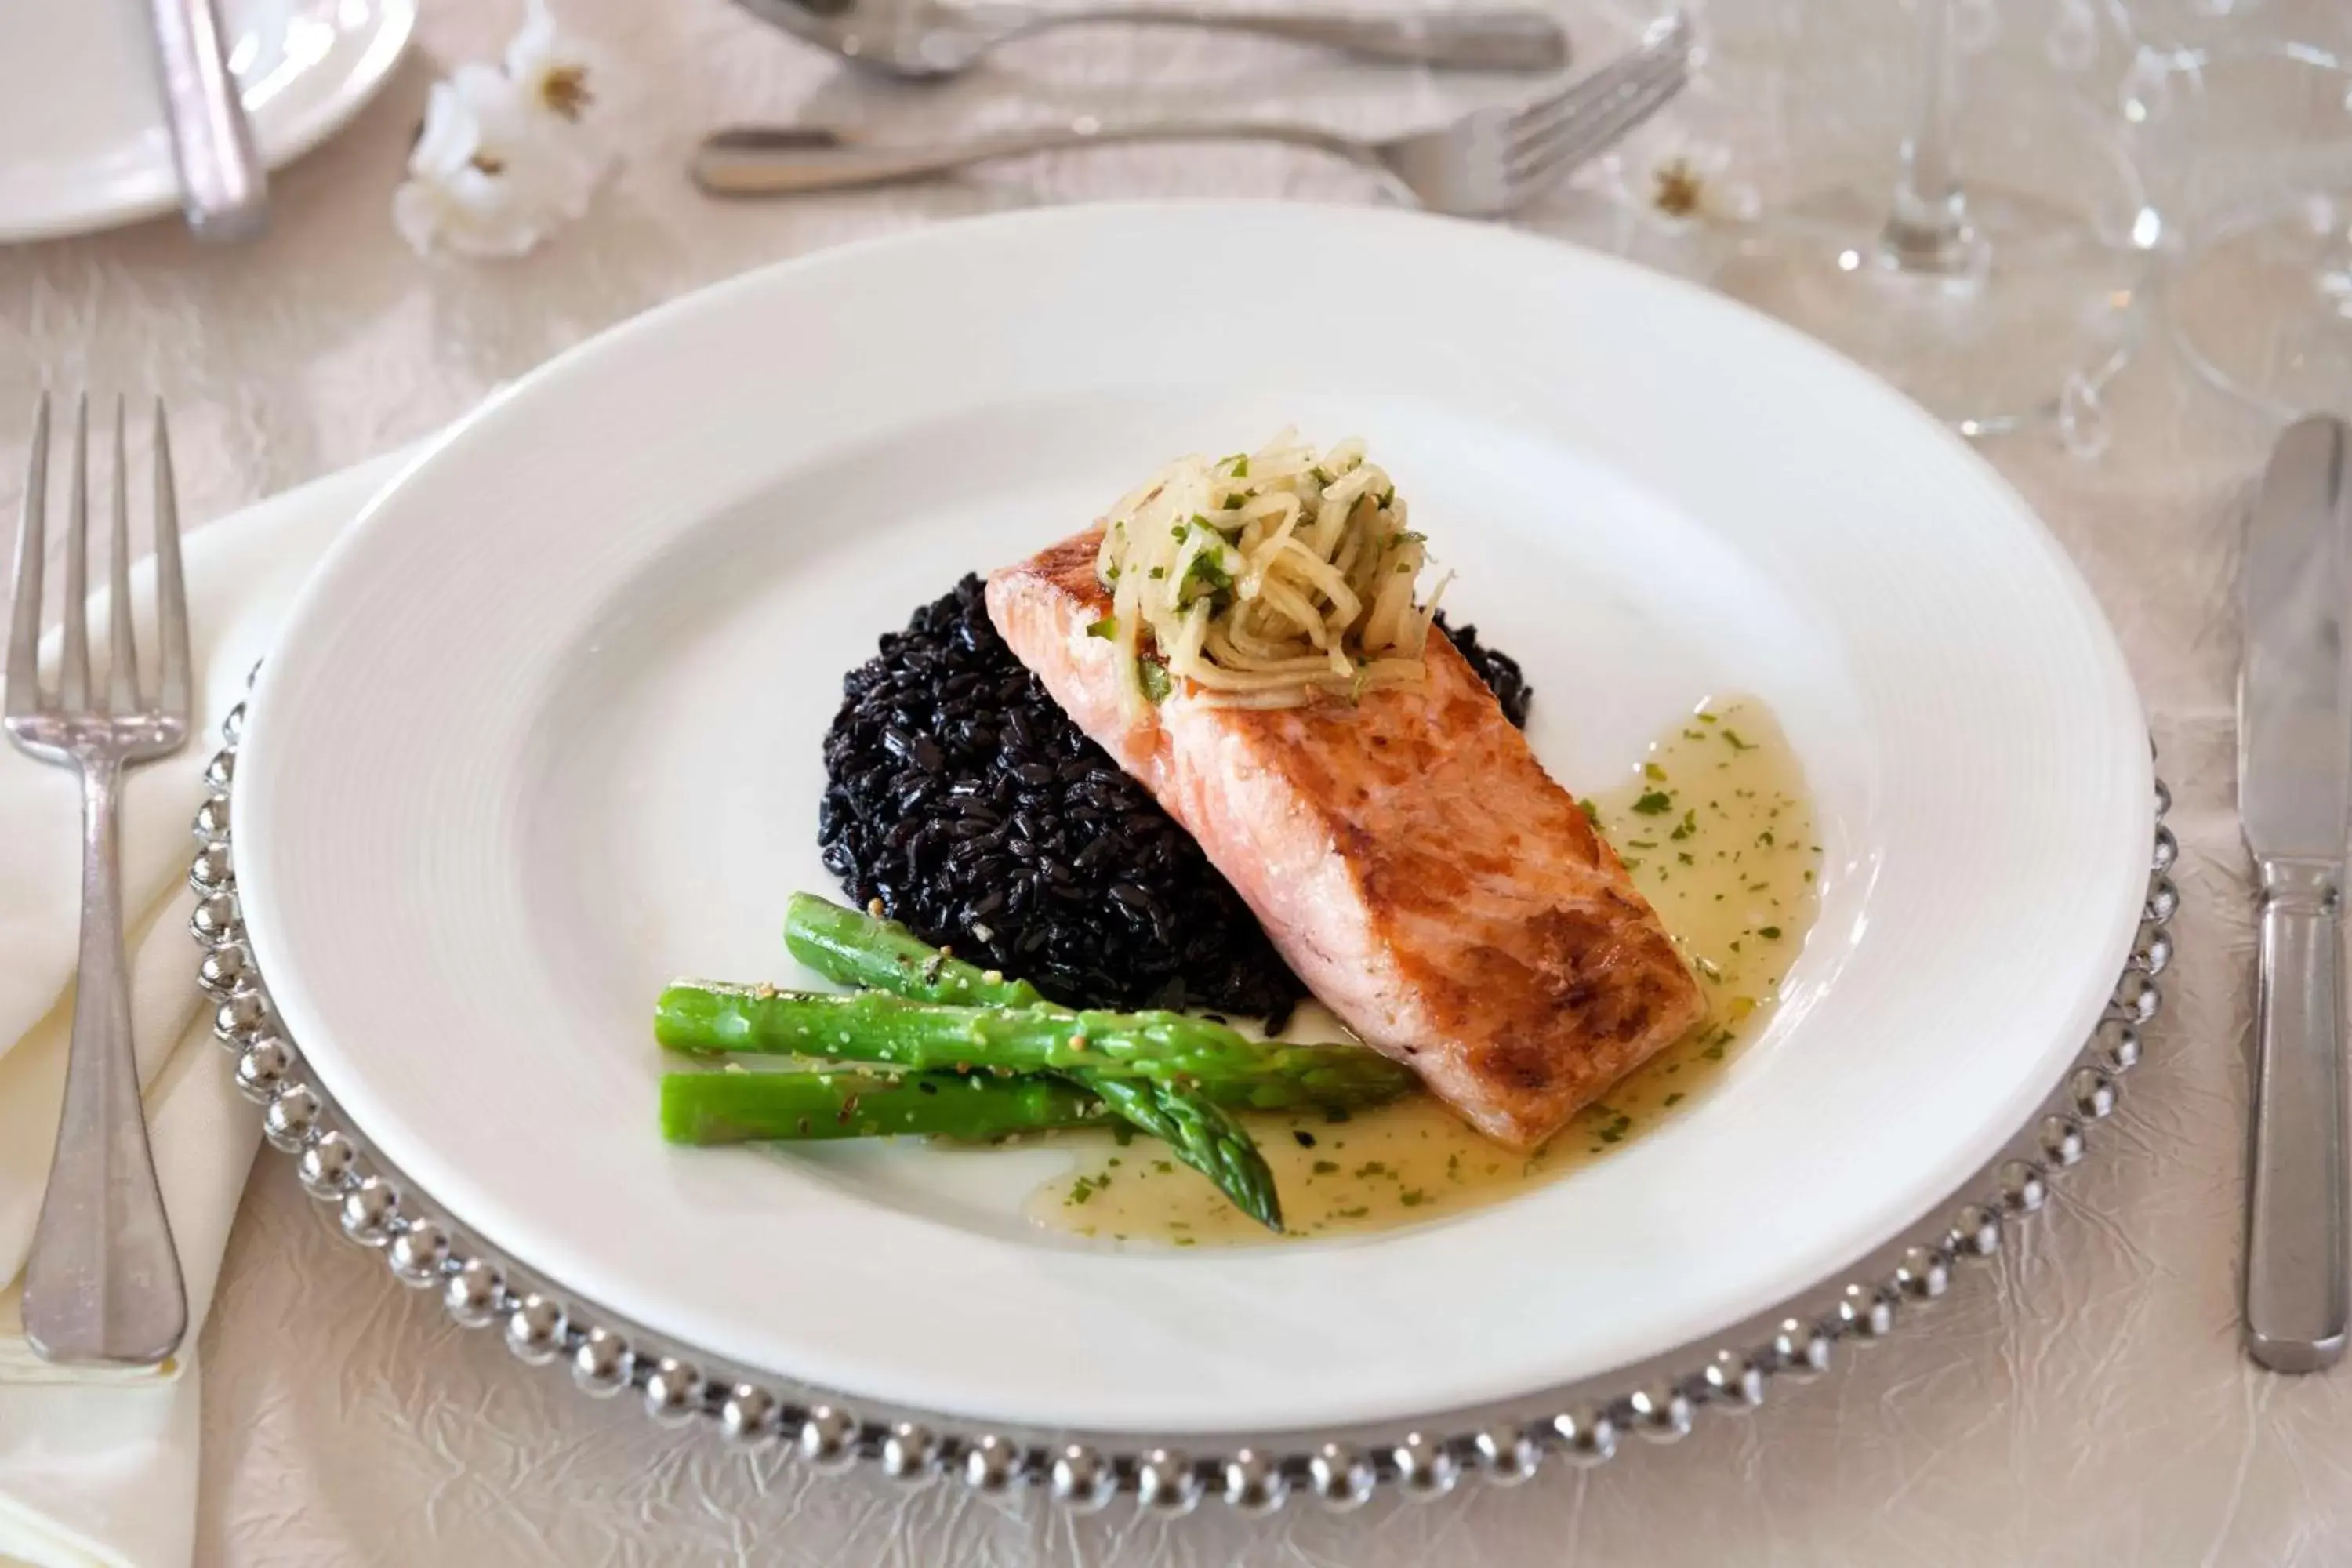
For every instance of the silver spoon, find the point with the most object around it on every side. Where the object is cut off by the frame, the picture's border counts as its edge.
(929, 38)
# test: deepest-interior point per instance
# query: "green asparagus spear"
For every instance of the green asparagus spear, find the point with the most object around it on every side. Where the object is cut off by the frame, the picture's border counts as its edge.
(866, 949)
(736, 1107)
(1203, 1135)
(854, 948)
(1233, 1070)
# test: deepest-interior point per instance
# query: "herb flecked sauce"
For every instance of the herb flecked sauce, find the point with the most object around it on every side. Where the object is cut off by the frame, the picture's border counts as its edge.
(1718, 831)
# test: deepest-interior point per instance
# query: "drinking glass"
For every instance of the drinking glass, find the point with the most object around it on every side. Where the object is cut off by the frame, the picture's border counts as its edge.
(1989, 299)
(2257, 136)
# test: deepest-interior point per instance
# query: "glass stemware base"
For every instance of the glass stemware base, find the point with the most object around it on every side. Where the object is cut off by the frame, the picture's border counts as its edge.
(2255, 140)
(2264, 306)
(1986, 330)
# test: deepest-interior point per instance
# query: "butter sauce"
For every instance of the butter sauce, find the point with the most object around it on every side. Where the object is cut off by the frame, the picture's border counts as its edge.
(1718, 831)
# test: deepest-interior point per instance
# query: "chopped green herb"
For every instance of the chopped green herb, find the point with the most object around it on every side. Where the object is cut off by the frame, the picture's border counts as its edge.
(1765, 838)
(1674, 1098)
(1416, 1198)
(1652, 771)
(1306, 1140)
(1107, 628)
(1736, 743)
(1326, 1167)
(1592, 812)
(1152, 676)
(1706, 718)
(1770, 933)
(1207, 575)
(1654, 802)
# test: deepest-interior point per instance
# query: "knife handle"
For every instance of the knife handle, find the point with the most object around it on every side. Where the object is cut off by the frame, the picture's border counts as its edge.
(2295, 1176)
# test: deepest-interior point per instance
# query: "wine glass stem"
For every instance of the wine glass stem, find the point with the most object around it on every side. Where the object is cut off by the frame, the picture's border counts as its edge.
(1927, 231)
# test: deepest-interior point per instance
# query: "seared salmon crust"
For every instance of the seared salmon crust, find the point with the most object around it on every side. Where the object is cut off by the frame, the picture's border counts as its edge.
(1408, 854)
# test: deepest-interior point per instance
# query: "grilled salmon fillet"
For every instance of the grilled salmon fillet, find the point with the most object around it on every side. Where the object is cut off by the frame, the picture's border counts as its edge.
(1409, 857)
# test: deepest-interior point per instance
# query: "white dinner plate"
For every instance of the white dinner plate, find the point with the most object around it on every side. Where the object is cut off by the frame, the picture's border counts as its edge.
(83, 140)
(543, 732)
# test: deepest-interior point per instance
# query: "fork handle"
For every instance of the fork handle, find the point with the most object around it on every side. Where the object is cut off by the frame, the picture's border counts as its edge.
(1499, 40)
(102, 1286)
(747, 161)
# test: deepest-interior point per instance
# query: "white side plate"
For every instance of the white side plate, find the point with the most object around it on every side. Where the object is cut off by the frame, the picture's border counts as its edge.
(83, 144)
(543, 732)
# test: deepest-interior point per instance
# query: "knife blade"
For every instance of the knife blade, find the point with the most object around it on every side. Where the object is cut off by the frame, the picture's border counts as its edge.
(2294, 789)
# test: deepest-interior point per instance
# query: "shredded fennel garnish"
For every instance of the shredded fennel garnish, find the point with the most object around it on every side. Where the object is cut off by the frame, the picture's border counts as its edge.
(1265, 580)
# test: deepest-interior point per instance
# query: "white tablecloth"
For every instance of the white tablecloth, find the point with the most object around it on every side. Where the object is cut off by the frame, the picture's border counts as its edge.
(2081, 1398)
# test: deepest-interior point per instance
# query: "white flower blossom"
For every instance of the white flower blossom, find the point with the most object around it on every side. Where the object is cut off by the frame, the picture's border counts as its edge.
(1677, 180)
(502, 159)
(549, 70)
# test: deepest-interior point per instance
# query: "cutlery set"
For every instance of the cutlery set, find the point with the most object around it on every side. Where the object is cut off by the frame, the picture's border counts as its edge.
(1489, 162)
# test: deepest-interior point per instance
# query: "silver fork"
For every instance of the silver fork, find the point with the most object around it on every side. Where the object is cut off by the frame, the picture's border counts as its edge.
(102, 1286)
(1488, 162)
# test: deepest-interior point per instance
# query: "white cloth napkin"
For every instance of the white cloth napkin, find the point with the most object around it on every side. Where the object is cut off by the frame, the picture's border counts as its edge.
(101, 1467)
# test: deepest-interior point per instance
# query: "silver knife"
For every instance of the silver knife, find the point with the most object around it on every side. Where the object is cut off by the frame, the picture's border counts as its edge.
(224, 190)
(2294, 786)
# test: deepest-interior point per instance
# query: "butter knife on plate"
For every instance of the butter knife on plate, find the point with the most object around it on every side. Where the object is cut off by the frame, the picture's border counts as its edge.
(2294, 782)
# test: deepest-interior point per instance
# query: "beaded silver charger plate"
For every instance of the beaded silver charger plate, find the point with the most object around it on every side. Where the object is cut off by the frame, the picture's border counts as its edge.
(545, 1325)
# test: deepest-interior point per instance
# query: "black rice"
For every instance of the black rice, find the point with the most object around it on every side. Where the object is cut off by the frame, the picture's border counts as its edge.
(959, 795)
(1499, 670)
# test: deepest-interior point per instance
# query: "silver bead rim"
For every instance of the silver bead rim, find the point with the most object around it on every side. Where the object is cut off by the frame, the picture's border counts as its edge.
(540, 1326)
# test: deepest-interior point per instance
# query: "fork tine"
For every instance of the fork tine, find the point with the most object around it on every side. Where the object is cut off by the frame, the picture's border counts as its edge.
(122, 646)
(73, 666)
(1659, 58)
(1604, 91)
(171, 590)
(22, 694)
(1575, 141)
